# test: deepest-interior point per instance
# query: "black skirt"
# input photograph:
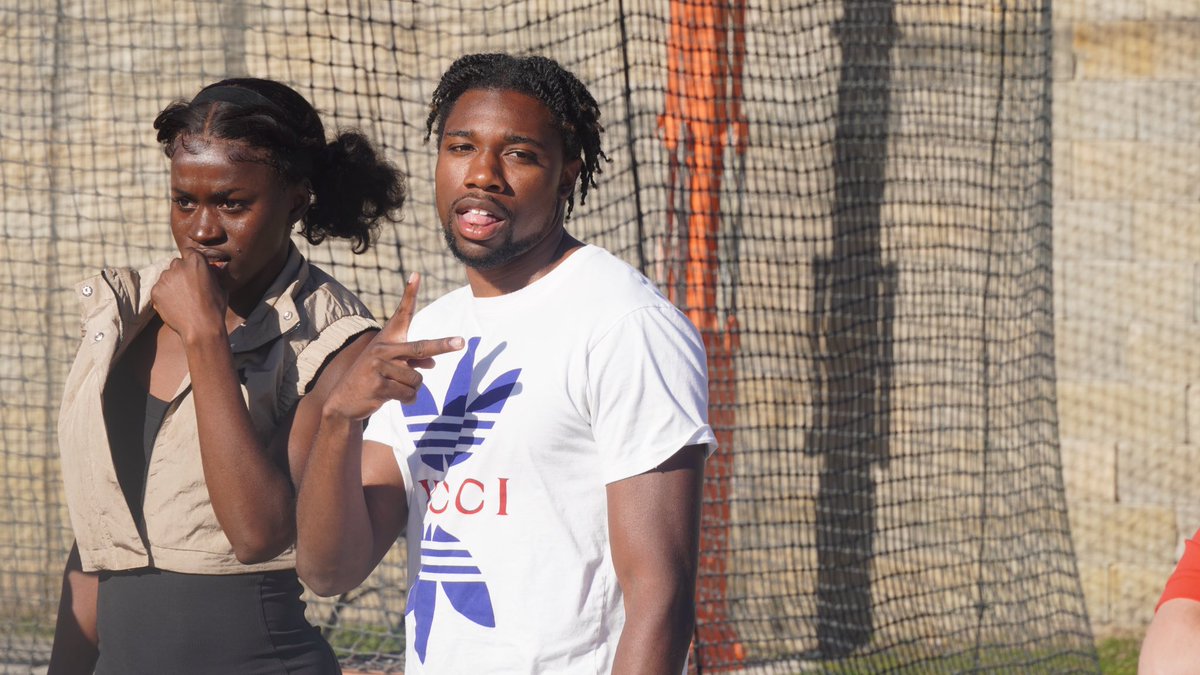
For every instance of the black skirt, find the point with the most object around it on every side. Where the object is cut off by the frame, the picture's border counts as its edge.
(153, 622)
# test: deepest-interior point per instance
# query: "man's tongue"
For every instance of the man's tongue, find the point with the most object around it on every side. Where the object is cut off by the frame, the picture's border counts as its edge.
(478, 219)
(478, 225)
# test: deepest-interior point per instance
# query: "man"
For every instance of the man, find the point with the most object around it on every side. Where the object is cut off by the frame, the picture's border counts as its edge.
(1172, 643)
(548, 467)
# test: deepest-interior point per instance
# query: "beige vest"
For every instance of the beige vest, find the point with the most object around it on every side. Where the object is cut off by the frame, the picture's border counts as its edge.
(304, 317)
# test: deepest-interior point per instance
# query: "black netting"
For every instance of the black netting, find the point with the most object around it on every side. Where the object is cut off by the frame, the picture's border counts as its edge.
(851, 198)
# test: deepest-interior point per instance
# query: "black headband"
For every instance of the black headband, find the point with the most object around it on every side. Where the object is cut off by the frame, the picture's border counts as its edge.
(236, 95)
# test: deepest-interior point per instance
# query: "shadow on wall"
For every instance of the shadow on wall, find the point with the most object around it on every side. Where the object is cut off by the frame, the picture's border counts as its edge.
(852, 335)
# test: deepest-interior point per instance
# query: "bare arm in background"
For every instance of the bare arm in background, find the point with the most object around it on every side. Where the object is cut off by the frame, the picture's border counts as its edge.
(1172, 643)
(76, 643)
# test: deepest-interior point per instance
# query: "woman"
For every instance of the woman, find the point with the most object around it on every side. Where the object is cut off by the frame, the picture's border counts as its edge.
(182, 430)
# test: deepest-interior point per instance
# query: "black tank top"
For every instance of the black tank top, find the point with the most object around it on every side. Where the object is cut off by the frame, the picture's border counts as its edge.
(153, 621)
(133, 418)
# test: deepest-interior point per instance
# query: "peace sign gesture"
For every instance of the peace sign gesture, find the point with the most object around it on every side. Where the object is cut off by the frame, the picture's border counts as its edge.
(386, 369)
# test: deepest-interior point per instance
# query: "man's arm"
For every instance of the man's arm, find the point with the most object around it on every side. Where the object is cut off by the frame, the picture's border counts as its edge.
(352, 503)
(75, 639)
(352, 507)
(1172, 644)
(654, 528)
(356, 501)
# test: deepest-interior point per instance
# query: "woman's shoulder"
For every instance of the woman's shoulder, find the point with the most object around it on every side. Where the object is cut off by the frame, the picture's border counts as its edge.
(325, 299)
(127, 287)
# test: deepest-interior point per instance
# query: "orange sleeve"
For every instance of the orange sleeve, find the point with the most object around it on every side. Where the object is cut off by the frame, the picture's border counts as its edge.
(1185, 580)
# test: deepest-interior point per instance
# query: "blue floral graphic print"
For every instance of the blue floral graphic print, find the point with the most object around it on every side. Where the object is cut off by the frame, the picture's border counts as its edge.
(450, 437)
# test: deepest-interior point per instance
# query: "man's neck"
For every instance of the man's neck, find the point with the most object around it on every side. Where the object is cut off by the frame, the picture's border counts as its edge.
(532, 265)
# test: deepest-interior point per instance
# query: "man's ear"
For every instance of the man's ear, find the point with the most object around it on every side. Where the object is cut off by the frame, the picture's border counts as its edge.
(570, 173)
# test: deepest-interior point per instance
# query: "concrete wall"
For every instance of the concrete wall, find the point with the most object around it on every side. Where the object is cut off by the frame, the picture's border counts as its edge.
(77, 164)
(1127, 283)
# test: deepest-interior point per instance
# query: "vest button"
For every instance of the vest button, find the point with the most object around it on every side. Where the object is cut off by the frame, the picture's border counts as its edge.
(98, 337)
(287, 316)
(87, 291)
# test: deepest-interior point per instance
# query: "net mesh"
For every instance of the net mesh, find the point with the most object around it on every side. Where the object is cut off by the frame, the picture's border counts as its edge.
(851, 198)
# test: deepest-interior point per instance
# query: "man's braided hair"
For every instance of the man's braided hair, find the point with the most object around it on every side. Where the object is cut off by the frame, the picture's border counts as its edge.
(567, 99)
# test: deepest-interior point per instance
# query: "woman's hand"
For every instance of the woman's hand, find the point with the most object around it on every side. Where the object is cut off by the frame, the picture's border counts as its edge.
(189, 298)
(250, 491)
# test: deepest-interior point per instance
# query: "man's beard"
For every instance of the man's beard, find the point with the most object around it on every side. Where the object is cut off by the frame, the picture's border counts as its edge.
(492, 259)
(509, 250)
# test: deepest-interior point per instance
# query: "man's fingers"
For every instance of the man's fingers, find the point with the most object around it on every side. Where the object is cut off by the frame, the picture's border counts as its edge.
(395, 363)
(399, 375)
(393, 338)
(420, 350)
(396, 329)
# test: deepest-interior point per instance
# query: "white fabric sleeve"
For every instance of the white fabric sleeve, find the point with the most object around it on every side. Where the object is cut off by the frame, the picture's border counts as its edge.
(648, 392)
(386, 427)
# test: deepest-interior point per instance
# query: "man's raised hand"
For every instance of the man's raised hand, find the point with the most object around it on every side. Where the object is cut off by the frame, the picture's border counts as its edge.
(386, 369)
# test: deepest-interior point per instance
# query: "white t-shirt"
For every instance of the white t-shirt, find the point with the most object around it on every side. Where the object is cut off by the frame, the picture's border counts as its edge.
(585, 377)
